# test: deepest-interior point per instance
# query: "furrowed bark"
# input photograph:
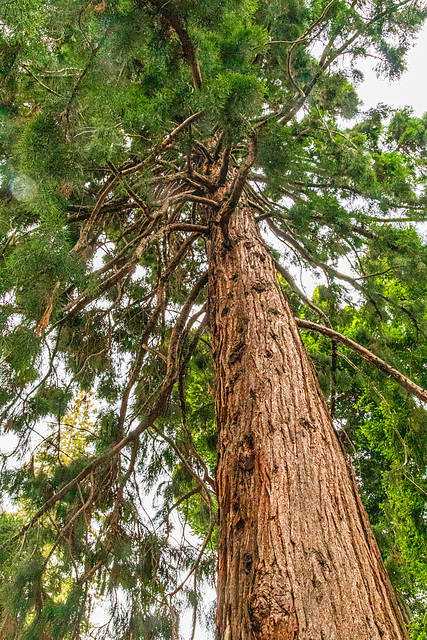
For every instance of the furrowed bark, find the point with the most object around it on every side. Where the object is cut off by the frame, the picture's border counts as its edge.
(297, 558)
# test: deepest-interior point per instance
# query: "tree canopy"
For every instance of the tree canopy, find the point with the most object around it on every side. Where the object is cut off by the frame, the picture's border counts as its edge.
(119, 121)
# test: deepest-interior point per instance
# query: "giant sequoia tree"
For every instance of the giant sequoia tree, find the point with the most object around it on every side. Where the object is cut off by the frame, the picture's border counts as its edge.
(154, 156)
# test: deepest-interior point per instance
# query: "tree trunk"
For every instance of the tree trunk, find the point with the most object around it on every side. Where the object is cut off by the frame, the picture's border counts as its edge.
(297, 558)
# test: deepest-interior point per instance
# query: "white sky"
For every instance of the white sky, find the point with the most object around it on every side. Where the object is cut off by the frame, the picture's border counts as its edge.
(410, 89)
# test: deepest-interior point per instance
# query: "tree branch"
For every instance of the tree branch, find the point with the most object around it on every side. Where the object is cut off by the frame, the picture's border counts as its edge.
(82, 301)
(173, 18)
(367, 355)
(238, 185)
(290, 280)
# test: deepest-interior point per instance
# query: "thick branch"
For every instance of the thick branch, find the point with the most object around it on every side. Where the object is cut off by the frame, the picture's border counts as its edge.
(238, 185)
(173, 18)
(180, 323)
(126, 171)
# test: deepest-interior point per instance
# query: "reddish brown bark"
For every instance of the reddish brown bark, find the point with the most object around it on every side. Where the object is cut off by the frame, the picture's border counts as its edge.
(297, 558)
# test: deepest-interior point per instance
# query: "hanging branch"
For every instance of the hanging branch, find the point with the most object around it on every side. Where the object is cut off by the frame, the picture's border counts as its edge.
(155, 412)
(341, 276)
(180, 323)
(183, 498)
(310, 259)
(140, 356)
(367, 355)
(197, 562)
(67, 527)
(201, 481)
(302, 251)
(182, 373)
(150, 326)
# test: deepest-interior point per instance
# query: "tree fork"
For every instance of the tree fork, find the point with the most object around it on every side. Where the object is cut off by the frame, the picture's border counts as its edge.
(297, 558)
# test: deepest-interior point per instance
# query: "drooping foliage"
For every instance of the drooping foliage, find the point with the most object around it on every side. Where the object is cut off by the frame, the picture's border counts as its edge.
(121, 123)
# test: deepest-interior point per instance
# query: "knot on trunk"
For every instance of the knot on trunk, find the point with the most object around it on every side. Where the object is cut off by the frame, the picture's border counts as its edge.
(247, 453)
(271, 608)
(237, 353)
(259, 285)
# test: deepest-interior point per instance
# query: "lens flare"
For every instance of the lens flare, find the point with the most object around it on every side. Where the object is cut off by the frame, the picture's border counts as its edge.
(23, 188)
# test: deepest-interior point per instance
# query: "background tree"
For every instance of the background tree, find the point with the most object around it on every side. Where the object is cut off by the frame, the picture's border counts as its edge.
(141, 141)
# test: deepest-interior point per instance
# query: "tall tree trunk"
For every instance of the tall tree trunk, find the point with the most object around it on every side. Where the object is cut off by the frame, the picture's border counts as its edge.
(297, 558)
